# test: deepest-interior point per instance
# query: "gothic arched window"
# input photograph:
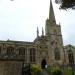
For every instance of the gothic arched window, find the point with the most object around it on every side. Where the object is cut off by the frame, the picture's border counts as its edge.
(10, 50)
(57, 54)
(22, 51)
(70, 57)
(32, 55)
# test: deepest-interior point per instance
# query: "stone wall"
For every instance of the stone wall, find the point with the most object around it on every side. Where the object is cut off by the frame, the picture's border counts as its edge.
(10, 68)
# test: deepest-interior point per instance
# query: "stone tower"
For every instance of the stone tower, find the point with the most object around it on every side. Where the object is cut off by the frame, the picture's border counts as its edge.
(51, 21)
(55, 43)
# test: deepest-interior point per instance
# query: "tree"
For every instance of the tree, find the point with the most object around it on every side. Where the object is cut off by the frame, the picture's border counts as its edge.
(65, 4)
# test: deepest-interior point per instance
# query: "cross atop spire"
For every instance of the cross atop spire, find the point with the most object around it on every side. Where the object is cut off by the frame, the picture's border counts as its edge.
(51, 12)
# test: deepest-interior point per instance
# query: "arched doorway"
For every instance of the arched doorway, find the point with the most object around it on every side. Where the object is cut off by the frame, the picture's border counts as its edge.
(43, 63)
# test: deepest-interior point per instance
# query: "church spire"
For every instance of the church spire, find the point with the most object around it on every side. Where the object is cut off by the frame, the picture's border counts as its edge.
(51, 12)
(51, 21)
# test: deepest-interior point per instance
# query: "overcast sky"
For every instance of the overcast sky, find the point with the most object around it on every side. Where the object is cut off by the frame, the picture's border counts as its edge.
(19, 20)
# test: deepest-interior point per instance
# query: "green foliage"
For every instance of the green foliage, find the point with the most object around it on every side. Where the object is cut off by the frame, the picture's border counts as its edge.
(67, 4)
(54, 70)
(68, 71)
(35, 69)
(49, 69)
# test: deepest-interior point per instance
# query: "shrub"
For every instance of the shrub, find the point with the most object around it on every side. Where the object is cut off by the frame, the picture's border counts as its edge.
(55, 70)
(36, 69)
(68, 71)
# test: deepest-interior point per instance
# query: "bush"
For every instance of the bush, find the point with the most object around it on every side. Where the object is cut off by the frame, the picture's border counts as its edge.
(68, 71)
(36, 69)
(55, 70)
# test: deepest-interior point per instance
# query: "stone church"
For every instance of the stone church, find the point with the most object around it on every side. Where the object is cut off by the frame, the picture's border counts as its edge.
(46, 49)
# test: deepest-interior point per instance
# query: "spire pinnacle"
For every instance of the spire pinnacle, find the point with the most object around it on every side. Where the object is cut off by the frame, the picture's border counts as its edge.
(42, 32)
(51, 12)
(37, 32)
